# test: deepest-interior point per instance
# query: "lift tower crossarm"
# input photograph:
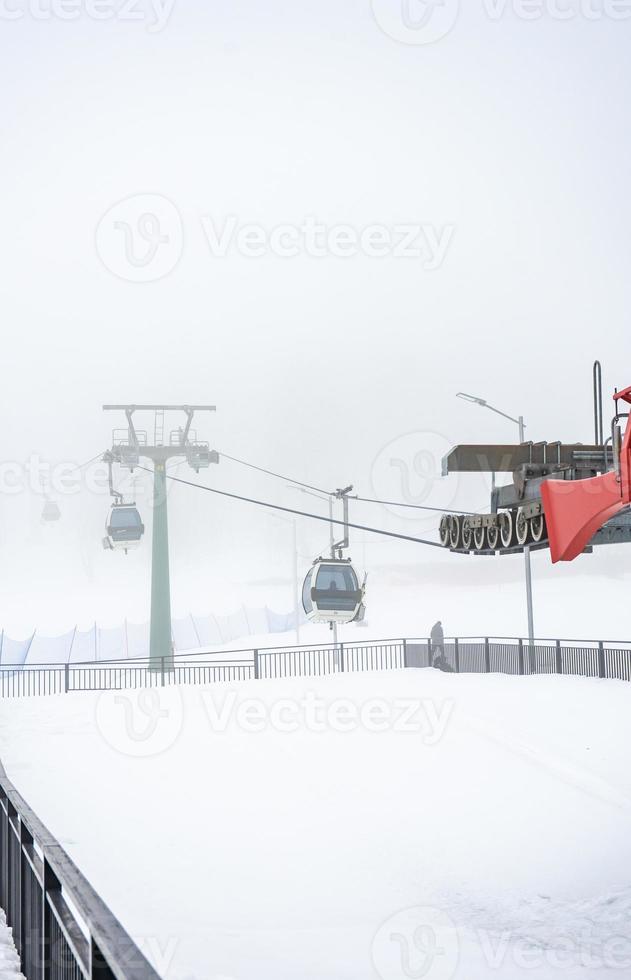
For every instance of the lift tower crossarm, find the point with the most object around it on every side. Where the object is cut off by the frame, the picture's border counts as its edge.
(138, 441)
(158, 408)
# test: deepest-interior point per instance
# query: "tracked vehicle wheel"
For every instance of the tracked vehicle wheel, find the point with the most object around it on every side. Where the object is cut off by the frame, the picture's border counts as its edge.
(467, 534)
(492, 536)
(443, 530)
(538, 528)
(507, 529)
(455, 531)
(523, 531)
(479, 539)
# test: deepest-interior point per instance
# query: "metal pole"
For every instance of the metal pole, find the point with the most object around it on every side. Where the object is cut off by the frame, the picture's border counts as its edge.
(332, 544)
(599, 436)
(331, 531)
(160, 649)
(531, 619)
(296, 582)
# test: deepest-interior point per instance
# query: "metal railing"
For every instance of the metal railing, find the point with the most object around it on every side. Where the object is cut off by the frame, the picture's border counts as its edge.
(61, 929)
(508, 655)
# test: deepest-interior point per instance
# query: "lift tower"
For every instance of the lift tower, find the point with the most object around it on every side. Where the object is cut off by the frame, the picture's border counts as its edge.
(128, 447)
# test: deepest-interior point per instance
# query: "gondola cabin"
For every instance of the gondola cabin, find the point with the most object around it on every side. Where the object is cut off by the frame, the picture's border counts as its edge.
(50, 512)
(331, 592)
(124, 528)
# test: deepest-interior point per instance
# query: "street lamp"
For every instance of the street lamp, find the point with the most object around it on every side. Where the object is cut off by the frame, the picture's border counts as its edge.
(484, 404)
(519, 421)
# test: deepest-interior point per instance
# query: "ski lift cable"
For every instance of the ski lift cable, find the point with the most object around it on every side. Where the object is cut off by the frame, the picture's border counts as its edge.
(398, 503)
(279, 476)
(82, 466)
(301, 513)
(367, 500)
(45, 487)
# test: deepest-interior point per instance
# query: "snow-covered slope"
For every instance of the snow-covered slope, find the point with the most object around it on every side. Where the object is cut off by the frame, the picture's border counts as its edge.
(404, 824)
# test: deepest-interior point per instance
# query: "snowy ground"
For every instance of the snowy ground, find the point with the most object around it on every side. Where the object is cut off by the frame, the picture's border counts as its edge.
(408, 824)
(9, 961)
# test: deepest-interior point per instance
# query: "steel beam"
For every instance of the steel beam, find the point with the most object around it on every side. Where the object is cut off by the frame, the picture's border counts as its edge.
(159, 408)
(507, 458)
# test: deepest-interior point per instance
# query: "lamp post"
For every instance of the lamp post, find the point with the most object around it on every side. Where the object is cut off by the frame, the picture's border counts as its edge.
(519, 421)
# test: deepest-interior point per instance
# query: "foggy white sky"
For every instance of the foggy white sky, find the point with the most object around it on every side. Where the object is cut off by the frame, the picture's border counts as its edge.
(514, 134)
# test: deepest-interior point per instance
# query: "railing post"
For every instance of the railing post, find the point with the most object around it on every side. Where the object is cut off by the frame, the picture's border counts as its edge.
(520, 656)
(487, 655)
(429, 653)
(532, 658)
(404, 644)
(27, 928)
(162, 665)
(457, 655)
(12, 885)
(50, 954)
(257, 666)
(14, 877)
(4, 850)
(341, 656)
(558, 658)
(601, 660)
(66, 678)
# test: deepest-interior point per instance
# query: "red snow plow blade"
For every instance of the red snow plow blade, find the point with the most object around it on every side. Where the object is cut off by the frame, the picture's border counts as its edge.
(575, 510)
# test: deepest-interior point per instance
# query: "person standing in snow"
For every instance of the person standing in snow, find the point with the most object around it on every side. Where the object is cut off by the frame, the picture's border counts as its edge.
(437, 637)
